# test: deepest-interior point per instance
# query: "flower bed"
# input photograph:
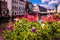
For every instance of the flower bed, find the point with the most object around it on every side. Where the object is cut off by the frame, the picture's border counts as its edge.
(49, 18)
(25, 29)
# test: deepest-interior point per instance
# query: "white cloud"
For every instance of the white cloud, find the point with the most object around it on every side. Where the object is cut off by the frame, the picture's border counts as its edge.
(53, 2)
(43, 1)
(47, 6)
(50, 7)
(43, 5)
(50, 3)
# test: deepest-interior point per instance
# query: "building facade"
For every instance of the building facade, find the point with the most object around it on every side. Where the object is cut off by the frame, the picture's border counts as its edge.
(36, 8)
(42, 9)
(51, 10)
(4, 12)
(39, 8)
(30, 6)
(58, 8)
(3, 9)
(16, 7)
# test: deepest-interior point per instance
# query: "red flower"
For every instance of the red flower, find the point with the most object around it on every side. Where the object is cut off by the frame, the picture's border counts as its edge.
(50, 18)
(24, 16)
(32, 18)
(57, 19)
(35, 19)
(44, 18)
(2, 29)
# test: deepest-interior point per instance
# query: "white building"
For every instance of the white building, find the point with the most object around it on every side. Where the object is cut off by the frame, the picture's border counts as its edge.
(16, 7)
(58, 8)
(51, 10)
(36, 8)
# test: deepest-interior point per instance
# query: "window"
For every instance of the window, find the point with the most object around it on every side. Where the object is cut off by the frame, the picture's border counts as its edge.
(12, 1)
(12, 7)
(5, 11)
(22, 3)
(21, 0)
(16, 2)
(1, 11)
(13, 12)
(19, 8)
(17, 13)
(15, 7)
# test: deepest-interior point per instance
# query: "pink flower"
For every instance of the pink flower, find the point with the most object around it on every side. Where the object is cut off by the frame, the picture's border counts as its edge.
(10, 27)
(2, 30)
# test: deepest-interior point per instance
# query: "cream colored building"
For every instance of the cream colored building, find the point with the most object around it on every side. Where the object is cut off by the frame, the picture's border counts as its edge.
(51, 11)
(16, 7)
(36, 8)
(58, 8)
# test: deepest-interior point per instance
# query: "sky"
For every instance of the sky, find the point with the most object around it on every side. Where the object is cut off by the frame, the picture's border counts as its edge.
(36, 1)
(49, 4)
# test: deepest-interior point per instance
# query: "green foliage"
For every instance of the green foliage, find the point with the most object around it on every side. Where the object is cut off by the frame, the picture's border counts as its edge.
(23, 31)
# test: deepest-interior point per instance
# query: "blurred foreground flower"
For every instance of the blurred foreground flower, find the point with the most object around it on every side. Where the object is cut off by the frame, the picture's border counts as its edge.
(34, 29)
(10, 27)
(2, 30)
(50, 18)
(17, 18)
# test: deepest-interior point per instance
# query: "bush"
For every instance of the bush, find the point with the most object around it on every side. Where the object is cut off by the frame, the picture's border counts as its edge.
(24, 29)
